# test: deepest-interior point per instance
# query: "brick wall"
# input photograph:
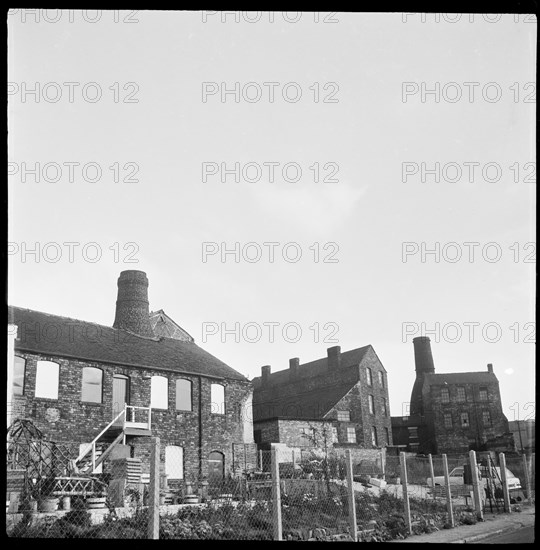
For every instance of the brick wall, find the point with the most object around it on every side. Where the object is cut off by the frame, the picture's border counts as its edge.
(68, 419)
(458, 438)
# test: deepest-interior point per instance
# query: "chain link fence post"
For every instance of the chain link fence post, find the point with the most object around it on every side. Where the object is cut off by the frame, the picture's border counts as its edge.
(476, 485)
(447, 487)
(153, 496)
(276, 497)
(406, 506)
(504, 482)
(432, 472)
(527, 479)
(350, 495)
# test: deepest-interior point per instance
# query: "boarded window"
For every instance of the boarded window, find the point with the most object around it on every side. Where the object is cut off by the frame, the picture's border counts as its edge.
(374, 440)
(174, 462)
(92, 385)
(351, 435)
(371, 404)
(217, 397)
(387, 436)
(18, 375)
(447, 420)
(183, 395)
(445, 395)
(344, 416)
(47, 378)
(369, 377)
(159, 396)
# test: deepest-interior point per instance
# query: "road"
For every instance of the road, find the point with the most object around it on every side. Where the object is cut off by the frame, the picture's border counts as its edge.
(524, 535)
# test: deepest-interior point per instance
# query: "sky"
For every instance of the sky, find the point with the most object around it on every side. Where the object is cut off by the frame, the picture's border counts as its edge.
(288, 181)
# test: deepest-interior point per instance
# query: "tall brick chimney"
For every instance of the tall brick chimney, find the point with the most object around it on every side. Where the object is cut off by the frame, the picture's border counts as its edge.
(423, 360)
(132, 311)
(334, 357)
(490, 368)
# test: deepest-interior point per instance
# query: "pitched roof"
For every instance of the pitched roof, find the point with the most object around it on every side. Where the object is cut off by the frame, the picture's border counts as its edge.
(480, 377)
(163, 325)
(310, 404)
(66, 337)
(317, 367)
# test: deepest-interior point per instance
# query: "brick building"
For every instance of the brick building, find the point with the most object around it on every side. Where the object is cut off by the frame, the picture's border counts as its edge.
(71, 378)
(450, 412)
(343, 393)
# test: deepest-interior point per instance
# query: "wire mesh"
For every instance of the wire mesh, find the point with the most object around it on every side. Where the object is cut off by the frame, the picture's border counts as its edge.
(48, 497)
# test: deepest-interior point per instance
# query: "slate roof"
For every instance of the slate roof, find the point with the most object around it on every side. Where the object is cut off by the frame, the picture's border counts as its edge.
(317, 367)
(269, 401)
(305, 405)
(73, 338)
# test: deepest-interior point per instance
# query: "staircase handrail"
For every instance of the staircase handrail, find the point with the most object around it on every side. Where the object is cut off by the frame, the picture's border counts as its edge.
(91, 445)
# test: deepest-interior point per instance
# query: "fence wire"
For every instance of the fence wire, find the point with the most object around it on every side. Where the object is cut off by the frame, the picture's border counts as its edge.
(48, 498)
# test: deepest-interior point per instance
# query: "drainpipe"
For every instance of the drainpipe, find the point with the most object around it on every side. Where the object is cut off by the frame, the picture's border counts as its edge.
(200, 429)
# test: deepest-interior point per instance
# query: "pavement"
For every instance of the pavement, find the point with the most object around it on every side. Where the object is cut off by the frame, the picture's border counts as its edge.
(493, 524)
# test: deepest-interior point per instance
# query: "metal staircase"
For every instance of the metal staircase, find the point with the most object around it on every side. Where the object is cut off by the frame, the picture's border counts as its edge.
(131, 421)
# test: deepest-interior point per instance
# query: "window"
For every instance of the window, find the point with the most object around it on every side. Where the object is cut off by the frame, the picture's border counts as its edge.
(217, 397)
(387, 436)
(461, 393)
(381, 378)
(483, 394)
(335, 437)
(486, 418)
(159, 392)
(47, 378)
(369, 377)
(464, 420)
(183, 395)
(19, 369)
(351, 435)
(92, 385)
(374, 441)
(384, 407)
(445, 395)
(371, 404)
(448, 420)
(174, 462)
(344, 416)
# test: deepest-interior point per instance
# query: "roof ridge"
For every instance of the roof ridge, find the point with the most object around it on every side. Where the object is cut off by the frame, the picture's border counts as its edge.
(63, 317)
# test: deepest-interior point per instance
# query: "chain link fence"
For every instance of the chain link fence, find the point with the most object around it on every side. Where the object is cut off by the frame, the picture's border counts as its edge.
(324, 494)
(49, 496)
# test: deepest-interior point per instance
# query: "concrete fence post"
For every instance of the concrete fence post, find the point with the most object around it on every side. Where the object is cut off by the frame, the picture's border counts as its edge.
(406, 507)
(353, 529)
(432, 472)
(153, 490)
(448, 491)
(527, 479)
(504, 481)
(476, 486)
(276, 497)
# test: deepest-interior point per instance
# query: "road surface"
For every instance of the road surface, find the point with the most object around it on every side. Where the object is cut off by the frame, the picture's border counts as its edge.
(523, 535)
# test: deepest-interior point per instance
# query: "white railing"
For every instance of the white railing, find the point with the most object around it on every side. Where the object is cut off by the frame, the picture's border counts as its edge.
(140, 417)
(92, 446)
(129, 415)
